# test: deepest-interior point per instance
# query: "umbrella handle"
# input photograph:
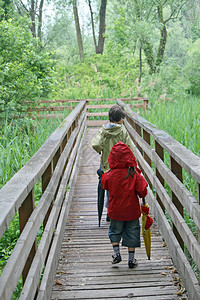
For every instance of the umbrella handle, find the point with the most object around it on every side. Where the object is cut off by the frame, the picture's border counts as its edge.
(143, 201)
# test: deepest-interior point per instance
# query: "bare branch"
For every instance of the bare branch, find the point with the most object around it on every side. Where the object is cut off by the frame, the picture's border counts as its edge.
(177, 11)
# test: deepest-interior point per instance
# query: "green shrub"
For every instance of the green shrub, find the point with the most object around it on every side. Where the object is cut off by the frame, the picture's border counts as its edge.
(25, 71)
(192, 69)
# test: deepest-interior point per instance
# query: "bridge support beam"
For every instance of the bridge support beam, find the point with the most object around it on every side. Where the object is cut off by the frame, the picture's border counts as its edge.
(177, 170)
(25, 211)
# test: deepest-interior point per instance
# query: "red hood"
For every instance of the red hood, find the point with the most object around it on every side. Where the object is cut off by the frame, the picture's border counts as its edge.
(121, 157)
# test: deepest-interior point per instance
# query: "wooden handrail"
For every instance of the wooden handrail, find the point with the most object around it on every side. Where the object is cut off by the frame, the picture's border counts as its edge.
(181, 198)
(56, 163)
(92, 104)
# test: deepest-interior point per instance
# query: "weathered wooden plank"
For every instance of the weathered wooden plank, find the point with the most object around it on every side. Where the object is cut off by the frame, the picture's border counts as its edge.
(48, 116)
(88, 106)
(96, 123)
(98, 114)
(110, 293)
(50, 108)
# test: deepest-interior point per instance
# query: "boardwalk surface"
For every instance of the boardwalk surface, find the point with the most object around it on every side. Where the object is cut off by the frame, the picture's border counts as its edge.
(85, 270)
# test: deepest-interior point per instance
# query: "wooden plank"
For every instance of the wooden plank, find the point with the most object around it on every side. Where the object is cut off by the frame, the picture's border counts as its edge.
(50, 108)
(98, 114)
(48, 116)
(98, 123)
(99, 106)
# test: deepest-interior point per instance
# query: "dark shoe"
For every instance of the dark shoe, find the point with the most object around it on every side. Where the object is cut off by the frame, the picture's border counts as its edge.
(107, 218)
(132, 263)
(116, 258)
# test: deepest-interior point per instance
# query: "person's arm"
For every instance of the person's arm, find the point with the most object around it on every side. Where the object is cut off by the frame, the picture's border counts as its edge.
(97, 142)
(141, 185)
(104, 181)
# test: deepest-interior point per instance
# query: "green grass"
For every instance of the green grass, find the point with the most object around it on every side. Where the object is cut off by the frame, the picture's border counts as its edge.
(179, 118)
(19, 140)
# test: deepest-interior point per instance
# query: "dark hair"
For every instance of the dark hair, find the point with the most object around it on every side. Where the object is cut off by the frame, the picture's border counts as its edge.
(131, 171)
(116, 113)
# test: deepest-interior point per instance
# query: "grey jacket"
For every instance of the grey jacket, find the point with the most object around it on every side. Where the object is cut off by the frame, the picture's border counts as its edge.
(109, 135)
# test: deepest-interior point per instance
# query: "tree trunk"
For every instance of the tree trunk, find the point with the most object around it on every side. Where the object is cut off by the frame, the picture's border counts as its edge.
(32, 14)
(78, 30)
(146, 46)
(161, 49)
(148, 51)
(140, 70)
(92, 21)
(40, 20)
(102, 27)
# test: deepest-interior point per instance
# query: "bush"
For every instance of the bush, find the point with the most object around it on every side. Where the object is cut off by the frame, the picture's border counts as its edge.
(25, 71)
(192, 69)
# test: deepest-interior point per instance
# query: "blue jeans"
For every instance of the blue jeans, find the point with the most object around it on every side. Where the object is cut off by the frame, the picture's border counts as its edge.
(128, 231)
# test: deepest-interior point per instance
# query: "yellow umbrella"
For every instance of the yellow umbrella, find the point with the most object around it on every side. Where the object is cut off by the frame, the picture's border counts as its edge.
(146, 232)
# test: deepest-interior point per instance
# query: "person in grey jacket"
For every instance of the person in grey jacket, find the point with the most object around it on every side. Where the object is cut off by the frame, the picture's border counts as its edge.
(109, 135)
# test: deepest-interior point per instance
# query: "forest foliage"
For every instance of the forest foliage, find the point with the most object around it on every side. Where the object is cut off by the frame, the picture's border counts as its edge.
(155, 43)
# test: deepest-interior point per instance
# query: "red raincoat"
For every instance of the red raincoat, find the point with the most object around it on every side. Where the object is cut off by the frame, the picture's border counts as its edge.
(123, 200)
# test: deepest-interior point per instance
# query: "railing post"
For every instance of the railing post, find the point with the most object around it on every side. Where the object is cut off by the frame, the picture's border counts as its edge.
(147, 138)
(25, 211)
(138, 129)
(45, 181)
(159, 150)
(145, 104)
(87, 110)
(177, 170)
(198, 200)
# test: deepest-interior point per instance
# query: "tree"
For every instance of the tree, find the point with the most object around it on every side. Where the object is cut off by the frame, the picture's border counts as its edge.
(93, 27)
(145, 19)
(102, 26)
(34, 10)
(78, 30)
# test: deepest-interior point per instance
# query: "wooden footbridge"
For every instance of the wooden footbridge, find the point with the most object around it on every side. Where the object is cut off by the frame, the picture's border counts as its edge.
(72, 257)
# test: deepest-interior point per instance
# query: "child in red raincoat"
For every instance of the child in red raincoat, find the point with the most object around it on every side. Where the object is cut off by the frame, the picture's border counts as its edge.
(125, 184)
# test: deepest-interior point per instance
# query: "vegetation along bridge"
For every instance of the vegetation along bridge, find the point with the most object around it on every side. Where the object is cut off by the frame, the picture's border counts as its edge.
(70, 259)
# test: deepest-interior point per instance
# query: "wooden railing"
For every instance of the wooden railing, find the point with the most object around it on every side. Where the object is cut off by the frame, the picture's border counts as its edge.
(152, 147)
(162, 160)
(58, 108)
(55, 166)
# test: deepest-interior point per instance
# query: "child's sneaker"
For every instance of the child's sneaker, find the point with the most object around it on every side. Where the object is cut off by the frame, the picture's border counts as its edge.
(132, 263)
(116, 258)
